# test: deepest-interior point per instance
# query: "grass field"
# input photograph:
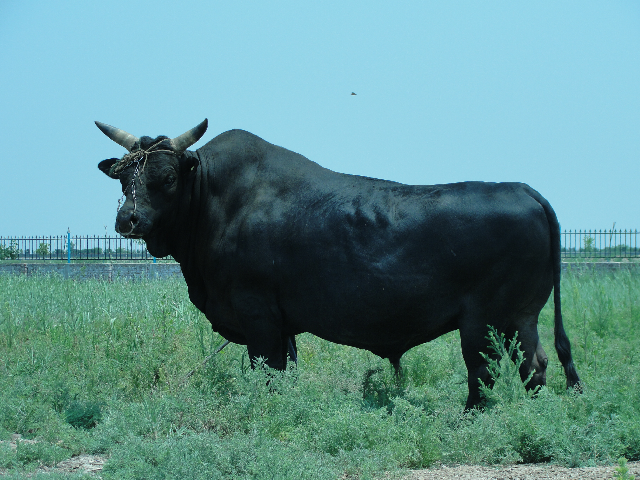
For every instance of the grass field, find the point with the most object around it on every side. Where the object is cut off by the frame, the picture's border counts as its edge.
(96, 367)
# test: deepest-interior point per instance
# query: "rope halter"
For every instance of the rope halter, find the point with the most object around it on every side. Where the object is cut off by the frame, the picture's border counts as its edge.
(139, 159)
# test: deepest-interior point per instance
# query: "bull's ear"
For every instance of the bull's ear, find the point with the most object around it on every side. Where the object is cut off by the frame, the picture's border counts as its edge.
(105, 166)
(189, 164)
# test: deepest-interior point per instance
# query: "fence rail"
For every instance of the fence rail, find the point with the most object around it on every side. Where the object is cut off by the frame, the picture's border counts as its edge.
(575, 244)
(68, 248)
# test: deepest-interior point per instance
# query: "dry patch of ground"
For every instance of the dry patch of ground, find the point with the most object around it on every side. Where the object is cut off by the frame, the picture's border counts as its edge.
(78, 464)
(521, 472)
(81, 464)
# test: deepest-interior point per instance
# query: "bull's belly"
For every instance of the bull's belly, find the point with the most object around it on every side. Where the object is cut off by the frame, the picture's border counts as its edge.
(387, 342)
(392, 320)
(385, 329)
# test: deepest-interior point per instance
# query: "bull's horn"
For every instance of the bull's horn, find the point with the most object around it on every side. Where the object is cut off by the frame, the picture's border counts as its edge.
(184, 141)
(121, 137)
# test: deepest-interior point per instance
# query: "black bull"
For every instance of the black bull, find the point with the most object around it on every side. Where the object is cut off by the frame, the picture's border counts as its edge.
(272, 244)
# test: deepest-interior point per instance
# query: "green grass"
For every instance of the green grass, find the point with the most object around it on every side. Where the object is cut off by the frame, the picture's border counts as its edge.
(100, 368)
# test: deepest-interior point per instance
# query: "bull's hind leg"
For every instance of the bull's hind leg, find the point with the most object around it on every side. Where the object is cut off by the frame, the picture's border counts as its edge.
(535, 359)
(473, 341)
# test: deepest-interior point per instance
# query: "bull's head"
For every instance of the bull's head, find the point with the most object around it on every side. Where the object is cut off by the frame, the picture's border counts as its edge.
(153, 175)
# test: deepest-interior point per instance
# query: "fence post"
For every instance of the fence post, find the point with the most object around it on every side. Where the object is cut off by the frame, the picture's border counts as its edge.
(68, 246)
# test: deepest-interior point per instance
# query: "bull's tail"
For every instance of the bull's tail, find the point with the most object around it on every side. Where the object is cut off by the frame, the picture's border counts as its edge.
(563, 346)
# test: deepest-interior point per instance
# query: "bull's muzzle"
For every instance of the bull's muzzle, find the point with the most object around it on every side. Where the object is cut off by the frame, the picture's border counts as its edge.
(126, 224)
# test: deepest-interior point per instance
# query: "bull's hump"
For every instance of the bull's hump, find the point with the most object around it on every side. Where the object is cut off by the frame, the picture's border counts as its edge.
(237, 141)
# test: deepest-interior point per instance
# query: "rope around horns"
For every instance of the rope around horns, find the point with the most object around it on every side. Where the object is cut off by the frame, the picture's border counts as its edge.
(137, 156)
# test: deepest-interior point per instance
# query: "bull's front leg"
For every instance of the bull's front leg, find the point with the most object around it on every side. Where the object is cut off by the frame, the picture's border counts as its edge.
(275, 351)
(261, 323)
(293, 349)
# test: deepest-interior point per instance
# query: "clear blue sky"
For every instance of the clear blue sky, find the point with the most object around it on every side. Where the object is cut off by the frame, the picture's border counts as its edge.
(545, 92)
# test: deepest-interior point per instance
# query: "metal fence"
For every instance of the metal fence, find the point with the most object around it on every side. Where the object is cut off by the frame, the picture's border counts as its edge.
(68, 248)
(609, 244)
(575, 244)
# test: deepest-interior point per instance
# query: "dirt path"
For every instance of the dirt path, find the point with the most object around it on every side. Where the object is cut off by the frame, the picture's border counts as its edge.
(92, 464)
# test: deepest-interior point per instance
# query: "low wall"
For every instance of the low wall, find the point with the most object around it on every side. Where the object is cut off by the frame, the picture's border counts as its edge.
(584, 267)
(133, 271)
(102, 271)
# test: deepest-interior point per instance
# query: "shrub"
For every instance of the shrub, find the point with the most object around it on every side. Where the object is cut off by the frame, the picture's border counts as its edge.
(42, 250)
(83, 414)
(9, 251)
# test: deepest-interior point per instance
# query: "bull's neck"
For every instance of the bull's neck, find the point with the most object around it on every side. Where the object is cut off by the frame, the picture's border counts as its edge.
(192, 216)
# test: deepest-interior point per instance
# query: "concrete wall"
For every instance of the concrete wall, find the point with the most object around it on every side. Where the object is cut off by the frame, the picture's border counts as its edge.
(103, 271)
(133, 271)
(601, 267)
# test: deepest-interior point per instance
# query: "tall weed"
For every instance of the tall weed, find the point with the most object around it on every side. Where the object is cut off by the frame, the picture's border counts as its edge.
(504, 369)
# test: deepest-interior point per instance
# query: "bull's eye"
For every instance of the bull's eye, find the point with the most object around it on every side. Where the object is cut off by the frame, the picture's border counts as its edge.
(170, 180)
